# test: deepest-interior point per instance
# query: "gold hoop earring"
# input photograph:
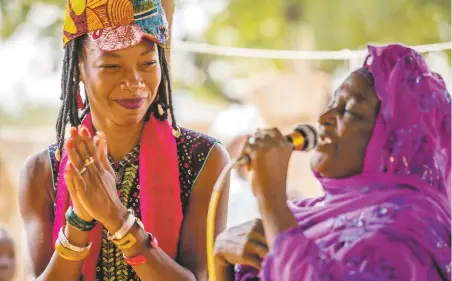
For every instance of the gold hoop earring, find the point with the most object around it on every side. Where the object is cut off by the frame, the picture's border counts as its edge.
(176, 132)
(160, 109)
(58, 154)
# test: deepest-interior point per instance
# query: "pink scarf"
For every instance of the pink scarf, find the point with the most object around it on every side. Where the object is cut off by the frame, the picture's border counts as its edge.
(159, 193)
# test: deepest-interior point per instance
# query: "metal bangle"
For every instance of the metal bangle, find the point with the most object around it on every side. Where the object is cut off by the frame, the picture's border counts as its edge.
(77, 222)
(65, 242)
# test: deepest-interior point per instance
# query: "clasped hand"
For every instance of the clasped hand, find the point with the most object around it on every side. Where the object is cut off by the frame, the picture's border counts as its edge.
(91, 180)
(242, 244)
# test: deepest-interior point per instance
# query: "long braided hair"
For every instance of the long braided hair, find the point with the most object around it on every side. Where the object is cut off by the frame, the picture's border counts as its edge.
(70, 80)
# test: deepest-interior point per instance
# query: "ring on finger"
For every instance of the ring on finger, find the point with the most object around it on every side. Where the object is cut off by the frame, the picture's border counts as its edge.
(252, 140)
(258, 136)
(82, 171)
(88, 161)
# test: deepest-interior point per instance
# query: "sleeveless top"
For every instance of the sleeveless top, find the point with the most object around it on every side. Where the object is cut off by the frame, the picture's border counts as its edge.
(193, 149)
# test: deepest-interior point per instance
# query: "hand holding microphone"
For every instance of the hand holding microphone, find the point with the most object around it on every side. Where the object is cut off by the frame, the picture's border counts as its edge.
(267, 154)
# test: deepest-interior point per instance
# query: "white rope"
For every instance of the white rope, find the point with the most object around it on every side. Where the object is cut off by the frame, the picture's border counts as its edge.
(344, 54)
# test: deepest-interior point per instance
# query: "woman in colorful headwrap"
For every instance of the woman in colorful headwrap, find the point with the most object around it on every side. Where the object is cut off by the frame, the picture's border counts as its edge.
(384, 163)
(125, 197)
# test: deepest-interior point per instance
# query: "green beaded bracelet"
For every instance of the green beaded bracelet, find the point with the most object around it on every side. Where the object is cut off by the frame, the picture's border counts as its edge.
(79, 223)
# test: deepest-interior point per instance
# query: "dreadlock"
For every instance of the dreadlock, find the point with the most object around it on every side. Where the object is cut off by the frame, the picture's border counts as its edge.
(70, 80)
(164, 93)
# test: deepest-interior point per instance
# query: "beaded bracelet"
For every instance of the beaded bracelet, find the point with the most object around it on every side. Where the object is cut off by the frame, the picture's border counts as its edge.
(79, 223)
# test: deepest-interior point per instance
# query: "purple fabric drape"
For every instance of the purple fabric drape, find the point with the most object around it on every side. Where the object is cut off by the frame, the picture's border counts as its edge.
(392, 221)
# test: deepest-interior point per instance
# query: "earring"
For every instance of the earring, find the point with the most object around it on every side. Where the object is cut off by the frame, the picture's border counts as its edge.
(176, 132)
(160, 109)
(58, 154)
(80, 103)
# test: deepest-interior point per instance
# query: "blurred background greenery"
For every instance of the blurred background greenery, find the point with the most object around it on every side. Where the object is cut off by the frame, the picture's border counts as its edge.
(266, 24)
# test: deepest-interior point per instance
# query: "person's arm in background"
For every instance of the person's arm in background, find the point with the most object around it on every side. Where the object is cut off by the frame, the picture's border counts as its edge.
(7, 255)
(36, 208)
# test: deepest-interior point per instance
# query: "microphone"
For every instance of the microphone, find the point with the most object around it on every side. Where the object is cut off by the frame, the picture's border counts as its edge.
(302, 138)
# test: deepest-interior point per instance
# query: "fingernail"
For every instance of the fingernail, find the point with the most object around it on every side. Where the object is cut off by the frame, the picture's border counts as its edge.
(73, 131)
(85, 132)
(69, 144)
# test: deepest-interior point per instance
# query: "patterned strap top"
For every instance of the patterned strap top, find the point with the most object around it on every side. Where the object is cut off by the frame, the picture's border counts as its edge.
(193, 149)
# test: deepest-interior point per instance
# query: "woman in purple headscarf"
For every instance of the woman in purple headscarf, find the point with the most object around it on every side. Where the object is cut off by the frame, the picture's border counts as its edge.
(384, 162)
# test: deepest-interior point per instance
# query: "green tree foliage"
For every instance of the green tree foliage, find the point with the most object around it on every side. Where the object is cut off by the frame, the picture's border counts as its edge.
(277, 24)
(332, 24)
(13, 13)
(283, 24)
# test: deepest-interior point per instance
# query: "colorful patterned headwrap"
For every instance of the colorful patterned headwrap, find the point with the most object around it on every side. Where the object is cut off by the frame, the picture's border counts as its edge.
(116, 24)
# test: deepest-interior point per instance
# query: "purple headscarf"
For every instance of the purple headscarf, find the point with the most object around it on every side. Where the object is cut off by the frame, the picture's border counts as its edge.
(392, 221)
